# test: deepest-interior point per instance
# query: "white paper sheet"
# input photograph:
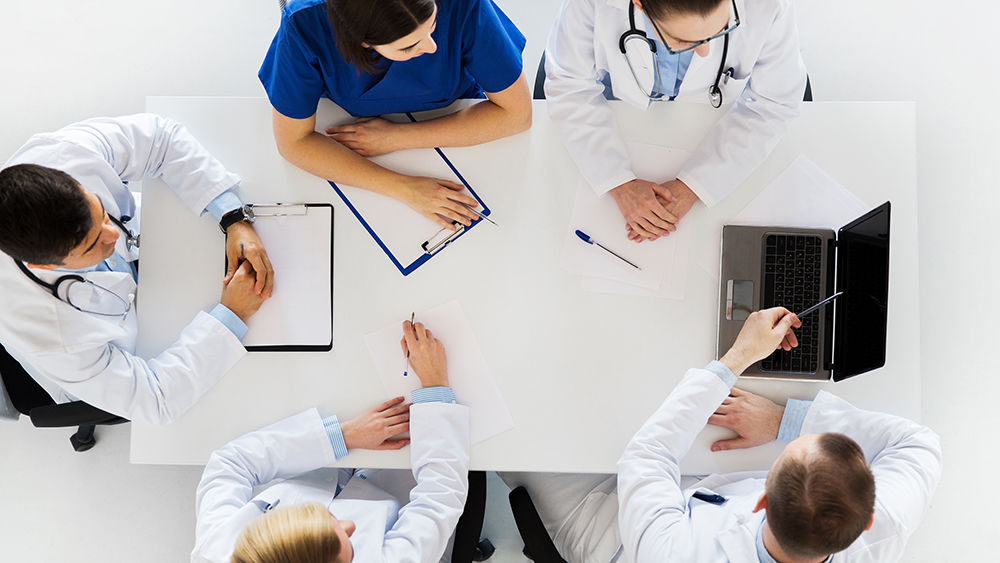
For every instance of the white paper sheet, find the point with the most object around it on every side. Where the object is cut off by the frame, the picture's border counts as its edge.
(802, 196)
(299, 312)
(600, 218)
(468, 373)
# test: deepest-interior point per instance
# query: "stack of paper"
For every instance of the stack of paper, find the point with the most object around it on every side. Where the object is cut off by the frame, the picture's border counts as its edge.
(663, 262)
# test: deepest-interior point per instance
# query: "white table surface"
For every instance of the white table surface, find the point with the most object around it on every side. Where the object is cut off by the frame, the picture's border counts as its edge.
(580, 371)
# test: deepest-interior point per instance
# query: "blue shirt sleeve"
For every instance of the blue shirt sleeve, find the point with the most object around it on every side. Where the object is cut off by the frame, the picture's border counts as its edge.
(433, 395)
(725, 374)
(224, 203)
(291, 72)
(491, 46)
(230, 320)
(332, 426)
(791, 421)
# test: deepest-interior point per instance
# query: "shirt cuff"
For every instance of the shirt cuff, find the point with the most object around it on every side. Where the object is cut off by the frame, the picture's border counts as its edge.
(433, 395)
(725, 374)
(229, 320)
(224, 203)
(791, 421)
(332, 426)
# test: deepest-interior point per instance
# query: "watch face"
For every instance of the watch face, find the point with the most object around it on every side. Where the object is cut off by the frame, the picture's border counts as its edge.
(248, 213)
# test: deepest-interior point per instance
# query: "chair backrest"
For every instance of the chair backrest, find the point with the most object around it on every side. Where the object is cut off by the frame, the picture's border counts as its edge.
(539, 93)
(24, 392)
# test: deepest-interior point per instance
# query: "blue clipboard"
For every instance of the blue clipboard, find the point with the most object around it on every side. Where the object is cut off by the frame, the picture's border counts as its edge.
(429, 251)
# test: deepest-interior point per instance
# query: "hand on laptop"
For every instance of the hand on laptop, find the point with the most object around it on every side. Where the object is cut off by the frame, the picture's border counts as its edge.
(755, 420)
(762, 333)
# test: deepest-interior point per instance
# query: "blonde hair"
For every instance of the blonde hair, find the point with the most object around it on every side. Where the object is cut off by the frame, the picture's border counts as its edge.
(302, 533)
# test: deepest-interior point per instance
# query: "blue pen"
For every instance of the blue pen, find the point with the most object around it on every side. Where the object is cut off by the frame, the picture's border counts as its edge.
(586, 238)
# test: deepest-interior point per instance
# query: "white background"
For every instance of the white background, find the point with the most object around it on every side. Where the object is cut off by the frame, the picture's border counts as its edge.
(65, 60)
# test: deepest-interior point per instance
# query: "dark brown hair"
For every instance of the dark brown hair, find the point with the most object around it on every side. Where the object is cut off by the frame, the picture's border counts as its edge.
(820, 505)
(662, 9)
(44, 214)
(375, 22)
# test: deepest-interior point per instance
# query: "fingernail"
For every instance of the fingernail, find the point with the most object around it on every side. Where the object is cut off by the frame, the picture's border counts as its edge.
(715, 448)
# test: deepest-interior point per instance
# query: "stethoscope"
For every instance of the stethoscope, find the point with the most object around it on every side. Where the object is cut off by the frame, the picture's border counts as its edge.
(714, 92)
(131, 244)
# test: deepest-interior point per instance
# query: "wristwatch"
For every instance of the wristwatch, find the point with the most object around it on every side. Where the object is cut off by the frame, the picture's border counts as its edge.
(244, 213)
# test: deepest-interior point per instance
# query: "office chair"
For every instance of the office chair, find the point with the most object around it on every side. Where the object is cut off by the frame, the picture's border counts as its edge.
(538, 545)
(31, 400)
(539, 93)
(469, 546)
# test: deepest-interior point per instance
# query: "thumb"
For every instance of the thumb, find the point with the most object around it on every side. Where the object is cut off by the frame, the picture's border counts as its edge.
(231, 265)
(664, 193)
(785, 323)
(737, 443)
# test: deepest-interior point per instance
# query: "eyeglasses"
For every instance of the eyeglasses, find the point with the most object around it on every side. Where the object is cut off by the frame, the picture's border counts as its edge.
(696, 44)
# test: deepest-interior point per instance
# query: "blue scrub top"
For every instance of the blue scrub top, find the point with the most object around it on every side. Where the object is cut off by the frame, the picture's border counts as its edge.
(478, 49)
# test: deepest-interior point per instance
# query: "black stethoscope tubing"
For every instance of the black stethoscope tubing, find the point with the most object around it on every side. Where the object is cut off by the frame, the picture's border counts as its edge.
(714, 92)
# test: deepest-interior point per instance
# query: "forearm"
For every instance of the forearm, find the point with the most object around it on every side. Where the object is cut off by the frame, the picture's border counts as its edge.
(480, 123)
(324, 157)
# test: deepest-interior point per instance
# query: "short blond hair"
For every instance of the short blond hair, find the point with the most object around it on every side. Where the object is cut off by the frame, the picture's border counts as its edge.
(302, 533)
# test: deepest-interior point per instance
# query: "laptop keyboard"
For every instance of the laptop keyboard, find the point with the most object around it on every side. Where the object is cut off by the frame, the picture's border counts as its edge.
(792, 269)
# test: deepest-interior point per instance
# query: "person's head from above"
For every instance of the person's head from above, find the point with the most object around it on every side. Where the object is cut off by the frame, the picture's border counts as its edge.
(398, 30)
(819, 496)
(303, 533)
(48, 220)
(687, 24)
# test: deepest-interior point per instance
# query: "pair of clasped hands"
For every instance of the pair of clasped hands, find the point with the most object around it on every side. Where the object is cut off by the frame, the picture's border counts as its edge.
(375, 429)
(652, 210)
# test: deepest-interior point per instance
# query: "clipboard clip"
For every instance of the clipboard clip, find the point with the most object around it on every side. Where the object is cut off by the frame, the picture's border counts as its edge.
(441, 239)
(279, 209)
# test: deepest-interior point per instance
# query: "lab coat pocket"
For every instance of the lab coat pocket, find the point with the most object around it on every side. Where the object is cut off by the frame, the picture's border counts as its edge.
(733, 88)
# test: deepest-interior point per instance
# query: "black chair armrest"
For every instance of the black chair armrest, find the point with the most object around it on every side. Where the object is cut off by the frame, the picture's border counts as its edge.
(76, 413)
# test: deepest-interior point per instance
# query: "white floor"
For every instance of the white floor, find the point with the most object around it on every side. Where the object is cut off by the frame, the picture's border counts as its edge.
(63, 60)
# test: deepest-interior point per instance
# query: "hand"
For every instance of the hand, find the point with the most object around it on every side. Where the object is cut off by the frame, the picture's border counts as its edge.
(426, 355)
(641, 204)
(368, 136)
(684, 198)
(439, 200)
(762, 333)
(239, 294)
(372, 429)
(755, 420)
(253, 251)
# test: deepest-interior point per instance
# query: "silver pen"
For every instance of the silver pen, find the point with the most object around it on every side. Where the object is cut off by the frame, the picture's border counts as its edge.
(820, 304)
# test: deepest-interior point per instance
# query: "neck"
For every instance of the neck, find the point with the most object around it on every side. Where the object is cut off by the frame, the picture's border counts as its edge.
(780, 555)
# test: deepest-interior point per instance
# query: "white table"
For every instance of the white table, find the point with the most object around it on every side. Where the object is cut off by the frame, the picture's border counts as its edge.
(580, 371)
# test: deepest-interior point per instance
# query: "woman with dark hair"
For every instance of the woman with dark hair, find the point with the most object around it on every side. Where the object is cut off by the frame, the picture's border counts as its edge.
(374, 57)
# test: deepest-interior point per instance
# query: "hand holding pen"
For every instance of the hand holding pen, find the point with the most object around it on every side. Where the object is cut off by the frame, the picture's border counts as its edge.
(426, 354)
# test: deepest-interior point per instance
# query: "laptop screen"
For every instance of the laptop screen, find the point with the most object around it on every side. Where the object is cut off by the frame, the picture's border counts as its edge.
(863, 276)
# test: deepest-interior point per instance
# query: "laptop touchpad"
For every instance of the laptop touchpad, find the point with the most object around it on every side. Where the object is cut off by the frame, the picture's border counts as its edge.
(739, 299)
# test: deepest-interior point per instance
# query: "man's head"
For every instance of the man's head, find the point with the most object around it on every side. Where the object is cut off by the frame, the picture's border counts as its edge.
(305, 533)
(820, 495)
(49, 220)
(682, 23)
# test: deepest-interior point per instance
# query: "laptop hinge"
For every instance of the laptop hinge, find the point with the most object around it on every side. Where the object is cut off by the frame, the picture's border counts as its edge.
(827, 312)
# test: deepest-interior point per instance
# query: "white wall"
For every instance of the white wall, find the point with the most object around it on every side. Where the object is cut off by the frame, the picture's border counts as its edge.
(63, 60)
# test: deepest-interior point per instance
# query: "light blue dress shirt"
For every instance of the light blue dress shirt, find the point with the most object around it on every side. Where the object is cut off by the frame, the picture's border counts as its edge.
(671, 68)
(423, 395)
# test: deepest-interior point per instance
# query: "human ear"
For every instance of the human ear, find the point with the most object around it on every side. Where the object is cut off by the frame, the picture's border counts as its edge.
(762, 503)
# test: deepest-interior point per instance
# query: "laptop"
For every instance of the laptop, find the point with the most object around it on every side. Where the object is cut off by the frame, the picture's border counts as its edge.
(795, 268)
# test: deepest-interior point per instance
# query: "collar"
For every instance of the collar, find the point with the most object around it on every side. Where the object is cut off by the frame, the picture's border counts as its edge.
(762, 554)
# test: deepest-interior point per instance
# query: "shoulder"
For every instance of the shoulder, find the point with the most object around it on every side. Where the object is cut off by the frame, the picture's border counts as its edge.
(295, 7)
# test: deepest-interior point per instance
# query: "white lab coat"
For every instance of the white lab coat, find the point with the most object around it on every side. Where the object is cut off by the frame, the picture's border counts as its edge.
(76, 355)
(767, 87)
(297, 448)
(658, 519)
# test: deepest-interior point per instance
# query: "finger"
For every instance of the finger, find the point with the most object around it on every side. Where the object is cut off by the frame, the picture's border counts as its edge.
(452, 217)
(232, 263)
(269, 283)
(718, 420)
(784, 324)
(389, 404)
(467, 200)
(393, 444)
(244, 270)
(420, 330)
(736, 392)
(398, 419)
(402, 345)
(363, 119)
(663, 192)
(459, 213)
(463, 210)
(440, 220)
(397, 410)
(409, 334)
(722, 409)
(656, 221)
(341, 129)
(660, 212)
(640, 230)
(732, 444)
(261, 270)
(455, 186)
(397, 429)
(657, 230)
